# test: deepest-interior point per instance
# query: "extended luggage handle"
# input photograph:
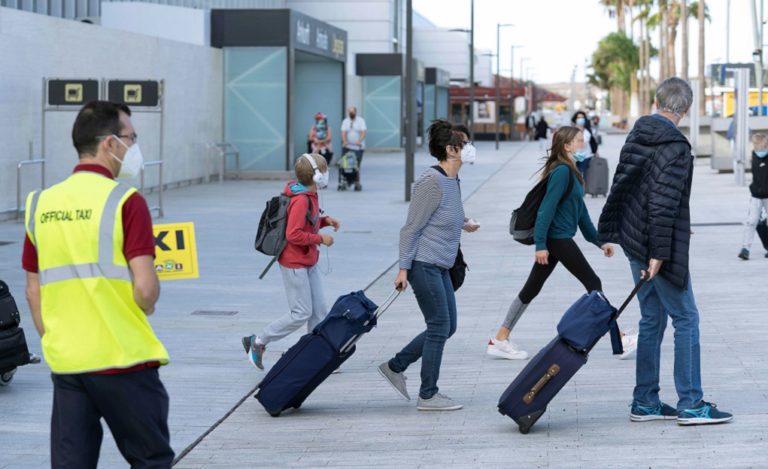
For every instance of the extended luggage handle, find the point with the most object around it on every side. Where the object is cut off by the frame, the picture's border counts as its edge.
(379, 311)
(631, 296)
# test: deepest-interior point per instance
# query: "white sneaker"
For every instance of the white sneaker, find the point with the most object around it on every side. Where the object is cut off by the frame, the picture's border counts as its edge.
(505, 349)
(629, 343)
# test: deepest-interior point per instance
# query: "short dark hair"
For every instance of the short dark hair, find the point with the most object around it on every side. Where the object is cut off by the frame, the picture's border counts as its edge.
(96, 119)
(442, 134)
(461, 128)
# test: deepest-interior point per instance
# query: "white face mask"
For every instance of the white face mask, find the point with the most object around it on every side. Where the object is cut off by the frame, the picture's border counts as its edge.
(323, 182)
(468, 154)
(130, 165)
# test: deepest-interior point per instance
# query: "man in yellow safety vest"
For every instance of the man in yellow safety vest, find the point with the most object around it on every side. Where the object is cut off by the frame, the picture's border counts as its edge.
(91, 283)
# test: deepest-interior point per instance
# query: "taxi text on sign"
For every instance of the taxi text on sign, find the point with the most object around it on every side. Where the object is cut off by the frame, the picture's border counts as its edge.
(175, 251)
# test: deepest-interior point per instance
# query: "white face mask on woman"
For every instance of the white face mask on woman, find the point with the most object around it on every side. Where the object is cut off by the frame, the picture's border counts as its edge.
(468, 153)
(130, 165)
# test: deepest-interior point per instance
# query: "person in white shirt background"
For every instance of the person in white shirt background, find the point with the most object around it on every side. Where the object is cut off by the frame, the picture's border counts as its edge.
(353, 132)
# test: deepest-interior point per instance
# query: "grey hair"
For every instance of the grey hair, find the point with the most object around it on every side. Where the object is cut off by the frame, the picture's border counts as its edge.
(674, 95)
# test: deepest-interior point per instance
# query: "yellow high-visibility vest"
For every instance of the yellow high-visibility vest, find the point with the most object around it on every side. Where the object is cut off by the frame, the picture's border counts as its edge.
(90, 317)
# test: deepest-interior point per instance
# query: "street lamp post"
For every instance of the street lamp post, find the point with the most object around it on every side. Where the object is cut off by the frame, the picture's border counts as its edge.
(472, 70)
(512, 92)
(498, 87)
(410, 108)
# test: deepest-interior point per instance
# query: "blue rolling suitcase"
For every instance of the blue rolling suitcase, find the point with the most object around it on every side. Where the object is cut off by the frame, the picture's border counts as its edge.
(582, 326)
(316, 355)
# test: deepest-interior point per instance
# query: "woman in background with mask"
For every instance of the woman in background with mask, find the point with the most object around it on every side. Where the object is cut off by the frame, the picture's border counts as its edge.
(561, 213)
(429, 242)
(582, 157)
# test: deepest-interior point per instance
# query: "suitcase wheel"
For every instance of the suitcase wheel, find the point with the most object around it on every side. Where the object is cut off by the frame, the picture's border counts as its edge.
(524, 429)
(273, 413)
(7, 377)
(297, 406)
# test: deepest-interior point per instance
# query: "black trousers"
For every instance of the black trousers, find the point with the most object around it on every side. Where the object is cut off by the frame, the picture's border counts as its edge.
(135, 407)
(568, 253)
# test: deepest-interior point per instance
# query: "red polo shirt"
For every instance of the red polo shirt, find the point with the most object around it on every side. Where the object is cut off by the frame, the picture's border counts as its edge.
(138, 239)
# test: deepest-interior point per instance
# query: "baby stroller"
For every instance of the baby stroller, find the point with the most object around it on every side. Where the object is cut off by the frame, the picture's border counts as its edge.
(13, 345)
(348, 170)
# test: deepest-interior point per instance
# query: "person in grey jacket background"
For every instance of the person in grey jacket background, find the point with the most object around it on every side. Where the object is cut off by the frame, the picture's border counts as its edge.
(429, 243)
(647, 213)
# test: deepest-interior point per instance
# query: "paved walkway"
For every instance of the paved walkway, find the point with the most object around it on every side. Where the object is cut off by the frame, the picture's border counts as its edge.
(354, 419)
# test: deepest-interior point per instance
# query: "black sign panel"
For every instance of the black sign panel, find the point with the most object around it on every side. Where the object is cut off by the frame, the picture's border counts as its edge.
(143, 93)
(379, 64)
(72, 92)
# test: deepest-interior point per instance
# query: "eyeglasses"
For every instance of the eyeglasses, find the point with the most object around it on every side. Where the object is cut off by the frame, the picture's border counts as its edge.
(133, 136)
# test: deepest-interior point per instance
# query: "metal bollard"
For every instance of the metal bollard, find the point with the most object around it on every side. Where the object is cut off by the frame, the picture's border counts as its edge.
(159, 164)
(20, 165)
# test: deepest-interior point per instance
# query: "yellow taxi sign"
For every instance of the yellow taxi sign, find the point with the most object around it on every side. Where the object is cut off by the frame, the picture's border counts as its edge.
(175, 251)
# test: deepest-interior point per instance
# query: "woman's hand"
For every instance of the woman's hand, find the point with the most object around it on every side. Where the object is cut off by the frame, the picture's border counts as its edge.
(401, 281)
(607, 249)
(542, 257)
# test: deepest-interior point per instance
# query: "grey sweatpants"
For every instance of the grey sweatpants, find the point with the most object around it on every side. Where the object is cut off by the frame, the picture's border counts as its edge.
(306, 303)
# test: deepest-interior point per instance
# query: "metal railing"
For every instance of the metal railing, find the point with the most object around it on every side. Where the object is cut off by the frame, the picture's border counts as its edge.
(20, 165)
(226, 149)
(159, 164)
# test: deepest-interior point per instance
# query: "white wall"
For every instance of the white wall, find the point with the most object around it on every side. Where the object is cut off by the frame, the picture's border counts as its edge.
(168, 22)
(34, 46)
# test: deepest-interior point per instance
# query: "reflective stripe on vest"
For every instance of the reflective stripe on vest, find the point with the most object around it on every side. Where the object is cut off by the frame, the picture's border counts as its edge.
(105, 266)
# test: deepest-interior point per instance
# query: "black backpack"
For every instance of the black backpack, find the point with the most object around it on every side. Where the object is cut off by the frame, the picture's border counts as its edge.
(521, 224)
(270, 236)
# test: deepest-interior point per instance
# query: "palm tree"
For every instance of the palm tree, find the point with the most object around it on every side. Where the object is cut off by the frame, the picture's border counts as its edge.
(684, 19)
(616, 7)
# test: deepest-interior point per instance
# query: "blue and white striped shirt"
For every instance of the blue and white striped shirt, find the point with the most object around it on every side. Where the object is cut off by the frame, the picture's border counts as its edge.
(435, 217)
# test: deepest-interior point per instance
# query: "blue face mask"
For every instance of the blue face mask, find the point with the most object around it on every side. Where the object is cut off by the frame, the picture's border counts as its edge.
(761, 153)
(581, 121)
(580, 155)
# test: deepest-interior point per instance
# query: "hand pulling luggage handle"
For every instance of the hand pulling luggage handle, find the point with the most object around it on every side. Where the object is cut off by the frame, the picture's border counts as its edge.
(384, 306)
(551, 373)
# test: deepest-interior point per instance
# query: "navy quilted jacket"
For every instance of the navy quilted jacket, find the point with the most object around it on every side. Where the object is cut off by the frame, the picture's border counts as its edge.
(647, 211)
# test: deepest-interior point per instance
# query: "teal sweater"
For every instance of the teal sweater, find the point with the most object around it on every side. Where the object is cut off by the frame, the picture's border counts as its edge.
(555, 221)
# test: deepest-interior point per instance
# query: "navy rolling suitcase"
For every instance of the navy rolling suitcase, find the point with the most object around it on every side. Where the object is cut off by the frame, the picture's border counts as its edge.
(316, 355)
(582, 326)
(762, 232)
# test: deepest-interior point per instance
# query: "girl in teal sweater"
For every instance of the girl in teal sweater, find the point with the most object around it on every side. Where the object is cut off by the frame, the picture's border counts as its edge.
(556, 224)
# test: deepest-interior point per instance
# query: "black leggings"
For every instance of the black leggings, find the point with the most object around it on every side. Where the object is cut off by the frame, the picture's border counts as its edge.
(567, 252)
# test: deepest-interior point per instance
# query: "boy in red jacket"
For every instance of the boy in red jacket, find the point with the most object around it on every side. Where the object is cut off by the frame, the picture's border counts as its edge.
(298, 261)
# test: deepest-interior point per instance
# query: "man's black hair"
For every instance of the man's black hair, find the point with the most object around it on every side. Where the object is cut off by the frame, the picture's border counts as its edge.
(96, 119)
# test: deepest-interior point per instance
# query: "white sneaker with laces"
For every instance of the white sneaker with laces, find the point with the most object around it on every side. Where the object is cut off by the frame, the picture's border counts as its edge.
(629, 343)
(505, 349)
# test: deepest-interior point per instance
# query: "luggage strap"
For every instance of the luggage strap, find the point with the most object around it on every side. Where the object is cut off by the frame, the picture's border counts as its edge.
(379, 311)
(614, 332)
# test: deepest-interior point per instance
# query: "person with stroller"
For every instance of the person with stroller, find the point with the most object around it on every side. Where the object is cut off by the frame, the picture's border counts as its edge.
(353, 132)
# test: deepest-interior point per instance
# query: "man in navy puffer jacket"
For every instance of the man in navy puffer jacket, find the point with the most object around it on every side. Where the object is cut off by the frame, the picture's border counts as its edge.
(647, 213)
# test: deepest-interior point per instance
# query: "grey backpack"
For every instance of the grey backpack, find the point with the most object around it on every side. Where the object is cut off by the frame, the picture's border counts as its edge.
(270, 236)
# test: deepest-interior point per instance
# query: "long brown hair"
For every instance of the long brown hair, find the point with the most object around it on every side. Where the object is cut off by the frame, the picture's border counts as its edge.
(558, 155)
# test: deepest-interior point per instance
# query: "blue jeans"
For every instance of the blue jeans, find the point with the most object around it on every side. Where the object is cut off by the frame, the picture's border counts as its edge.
(434, 293)
(658, 300)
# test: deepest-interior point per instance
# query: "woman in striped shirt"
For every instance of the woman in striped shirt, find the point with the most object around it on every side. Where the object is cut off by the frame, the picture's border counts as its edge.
(429, 242)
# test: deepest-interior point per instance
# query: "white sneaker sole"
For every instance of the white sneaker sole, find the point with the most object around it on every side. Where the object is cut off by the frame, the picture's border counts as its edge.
(628, 355)
(428, 409)
(650, 418)
(404, 396)
(702, 421)
(508, 356)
